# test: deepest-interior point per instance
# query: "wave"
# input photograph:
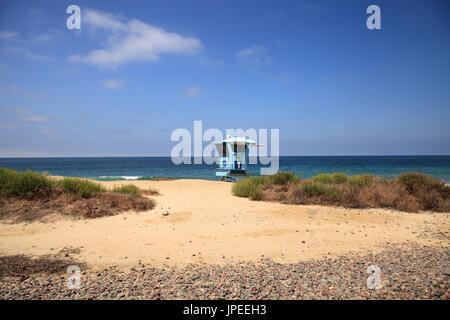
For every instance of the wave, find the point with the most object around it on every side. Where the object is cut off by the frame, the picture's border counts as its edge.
(114, 178)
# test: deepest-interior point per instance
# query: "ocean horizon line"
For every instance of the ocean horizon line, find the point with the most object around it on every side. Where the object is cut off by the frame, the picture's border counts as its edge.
(286, 156)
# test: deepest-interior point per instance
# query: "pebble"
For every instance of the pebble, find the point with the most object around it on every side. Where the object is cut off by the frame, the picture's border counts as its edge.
(414, 272)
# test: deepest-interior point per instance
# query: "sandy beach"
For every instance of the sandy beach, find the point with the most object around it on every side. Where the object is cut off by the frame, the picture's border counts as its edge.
(288, 150)
(207, 224)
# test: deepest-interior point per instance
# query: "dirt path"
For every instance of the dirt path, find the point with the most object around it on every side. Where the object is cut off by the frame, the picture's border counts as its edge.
(206, 224)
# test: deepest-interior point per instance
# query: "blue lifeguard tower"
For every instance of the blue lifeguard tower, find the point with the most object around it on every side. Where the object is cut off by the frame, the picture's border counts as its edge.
(233, 157)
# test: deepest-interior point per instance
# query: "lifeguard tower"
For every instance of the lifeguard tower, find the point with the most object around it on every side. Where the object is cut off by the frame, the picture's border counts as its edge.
(233, 157)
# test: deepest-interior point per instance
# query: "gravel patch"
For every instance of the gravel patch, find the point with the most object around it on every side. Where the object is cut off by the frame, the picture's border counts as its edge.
(413, 273)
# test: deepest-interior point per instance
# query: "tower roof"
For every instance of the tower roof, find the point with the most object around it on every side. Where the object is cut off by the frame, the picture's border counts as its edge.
(237, 140)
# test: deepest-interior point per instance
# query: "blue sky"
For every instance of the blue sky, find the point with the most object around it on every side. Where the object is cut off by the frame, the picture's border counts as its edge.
(137, 70)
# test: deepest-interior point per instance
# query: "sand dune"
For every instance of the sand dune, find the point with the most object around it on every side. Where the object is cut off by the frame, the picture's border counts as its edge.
(207, 224)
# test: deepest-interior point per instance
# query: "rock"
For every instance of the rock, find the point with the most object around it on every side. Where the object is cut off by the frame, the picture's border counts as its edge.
(414, 272)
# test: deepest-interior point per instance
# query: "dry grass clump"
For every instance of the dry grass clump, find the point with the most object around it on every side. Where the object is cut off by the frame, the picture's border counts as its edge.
(335, 178)
(365, 180)
(249, 187)
(100, 204)
(127, 188)
(409, 192)
(26, 184)
(253, 187)
(150, 191)
(83, 187)
(29, 196)
(313, 189)
(34, 185)
(23, 266)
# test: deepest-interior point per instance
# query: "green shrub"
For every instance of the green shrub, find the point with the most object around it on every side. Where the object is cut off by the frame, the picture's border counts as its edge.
(409, 192)
(255, 192)
(127, 188)
(319, 189)
(83, 187)
(414, 181)
(25, 184)
(240, 188)
(363, 180)
(330, 178)
(248, 186)
(281, 178)
(252, 187)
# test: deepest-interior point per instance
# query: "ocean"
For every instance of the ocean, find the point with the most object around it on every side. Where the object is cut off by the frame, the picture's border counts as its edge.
(146, 168)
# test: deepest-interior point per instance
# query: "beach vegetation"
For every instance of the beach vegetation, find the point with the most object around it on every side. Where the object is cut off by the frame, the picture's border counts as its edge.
(417, 182)
(83, 187)
(24, 184)
(431, 193)
(29, 196)
(249, 187)
(411, 192)
(281, 178)
(364, 180)
(127, 188)
(150, 191)
(252, 187)
(320, 189)
(330, 178)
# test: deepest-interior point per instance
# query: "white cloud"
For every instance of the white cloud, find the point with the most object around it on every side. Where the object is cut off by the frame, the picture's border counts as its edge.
(36, 56)
(6, 35)
(113, 83)
(44, 37)
(284, 78)
(24, 46)
(252, 51)
(27, 54)
(210, 63)
(254, 54)
(191, 92)
(17, 111)
(132, 40)
(35, 118)
(33, 39)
